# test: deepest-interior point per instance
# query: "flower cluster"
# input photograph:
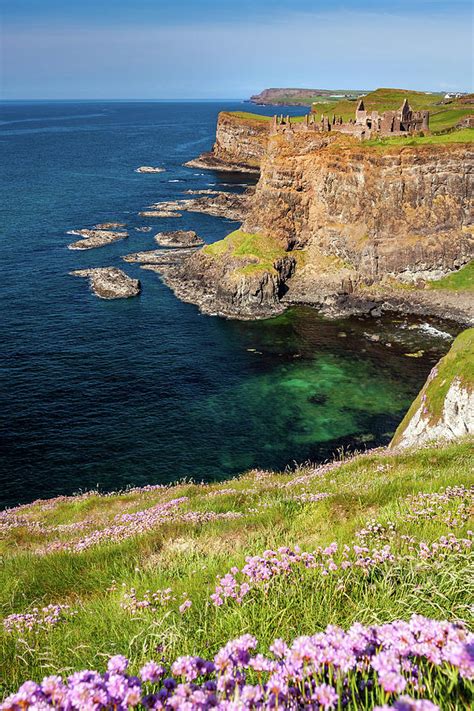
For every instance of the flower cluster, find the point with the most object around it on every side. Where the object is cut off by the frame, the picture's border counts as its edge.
(373, 529)
(260, 571)
(38, 619)
(308, 498)
(151, 601)
(452, 506)
(331, 669)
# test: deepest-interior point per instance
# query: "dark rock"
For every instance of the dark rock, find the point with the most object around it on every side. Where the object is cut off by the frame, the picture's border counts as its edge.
(179, 239)
(318, 399)
(110, 282)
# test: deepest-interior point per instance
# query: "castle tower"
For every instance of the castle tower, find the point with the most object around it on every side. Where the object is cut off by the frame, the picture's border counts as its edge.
(361, 113)
(405, 115)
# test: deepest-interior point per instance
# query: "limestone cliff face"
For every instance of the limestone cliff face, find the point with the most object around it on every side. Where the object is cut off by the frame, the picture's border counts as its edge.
(240, 144)
(444, 409)
(406, 211)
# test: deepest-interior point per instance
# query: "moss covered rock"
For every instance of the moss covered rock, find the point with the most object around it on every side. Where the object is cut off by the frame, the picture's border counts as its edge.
(444, 409)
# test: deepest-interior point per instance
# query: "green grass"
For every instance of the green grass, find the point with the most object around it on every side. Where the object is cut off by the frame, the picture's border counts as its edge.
(462, 280)
(457, 364)
(256, 252)
(188, 557)
(250, 116)
(442, 116)
(463, 135)
(247, 115)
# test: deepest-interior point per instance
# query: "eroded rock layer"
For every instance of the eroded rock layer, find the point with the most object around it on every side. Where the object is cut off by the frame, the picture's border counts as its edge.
(399, 211)
(239, 146)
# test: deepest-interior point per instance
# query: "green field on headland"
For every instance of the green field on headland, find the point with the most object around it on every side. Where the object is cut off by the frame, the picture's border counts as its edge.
(444, 114)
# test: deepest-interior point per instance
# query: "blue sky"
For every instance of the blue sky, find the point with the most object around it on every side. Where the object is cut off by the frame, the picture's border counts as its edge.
(156, 49)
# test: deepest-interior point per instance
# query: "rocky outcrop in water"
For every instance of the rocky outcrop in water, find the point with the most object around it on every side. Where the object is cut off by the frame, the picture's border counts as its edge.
(159, 213)
(110, 282)
(159, 256)
(95, 238)
(149, 169)
(239, 147)
(233, 206)
(179, 239)
(444, 409)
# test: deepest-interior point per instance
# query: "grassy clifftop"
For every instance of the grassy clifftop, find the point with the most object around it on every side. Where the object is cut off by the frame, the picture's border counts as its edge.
(138, 569)
(256, 252)
(443, 116)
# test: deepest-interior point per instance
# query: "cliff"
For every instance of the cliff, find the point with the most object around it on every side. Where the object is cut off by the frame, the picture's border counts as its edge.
(240, 144)
(444, 409)
(356, 228)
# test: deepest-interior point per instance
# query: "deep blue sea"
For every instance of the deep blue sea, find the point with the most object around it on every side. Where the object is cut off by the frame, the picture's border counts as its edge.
(147, 390)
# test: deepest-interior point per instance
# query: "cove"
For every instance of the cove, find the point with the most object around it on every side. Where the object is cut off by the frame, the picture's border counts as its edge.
(147, 390)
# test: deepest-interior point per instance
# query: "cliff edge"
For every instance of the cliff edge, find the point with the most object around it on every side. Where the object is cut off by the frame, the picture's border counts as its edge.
(240, 144)
(444, 408)
(345, 226)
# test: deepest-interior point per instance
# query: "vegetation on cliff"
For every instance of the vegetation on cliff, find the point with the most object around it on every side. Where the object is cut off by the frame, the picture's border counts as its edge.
(159, 572)
(256, 252)
(462, 280)
(457, 366)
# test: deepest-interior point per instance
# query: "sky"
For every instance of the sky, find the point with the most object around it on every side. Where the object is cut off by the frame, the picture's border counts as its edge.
(214, 49)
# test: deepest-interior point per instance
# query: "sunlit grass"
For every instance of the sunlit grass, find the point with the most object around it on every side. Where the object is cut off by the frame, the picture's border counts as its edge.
(187, 558)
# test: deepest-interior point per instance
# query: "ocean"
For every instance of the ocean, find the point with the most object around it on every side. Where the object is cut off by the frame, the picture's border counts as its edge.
(111, 394)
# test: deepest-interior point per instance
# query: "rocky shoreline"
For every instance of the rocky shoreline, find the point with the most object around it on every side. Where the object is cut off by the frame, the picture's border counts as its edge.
(216, 293)
(357, 230)
(209, 161)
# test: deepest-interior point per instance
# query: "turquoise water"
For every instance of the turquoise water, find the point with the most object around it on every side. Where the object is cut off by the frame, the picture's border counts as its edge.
(147, 390)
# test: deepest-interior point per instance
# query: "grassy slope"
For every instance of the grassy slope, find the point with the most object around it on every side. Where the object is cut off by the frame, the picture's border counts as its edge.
(442, 116)
(458, 363)
(188, 557)
(262, 250)
(462, 280)
(463, 135)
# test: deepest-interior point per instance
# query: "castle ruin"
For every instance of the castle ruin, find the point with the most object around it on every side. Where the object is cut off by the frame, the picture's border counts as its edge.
(366, 124)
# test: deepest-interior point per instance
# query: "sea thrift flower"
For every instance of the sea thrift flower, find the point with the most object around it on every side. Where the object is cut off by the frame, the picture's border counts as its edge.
(326, 696)
(152, 671)
(185, 606)
(365, 660)
(117, 664)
